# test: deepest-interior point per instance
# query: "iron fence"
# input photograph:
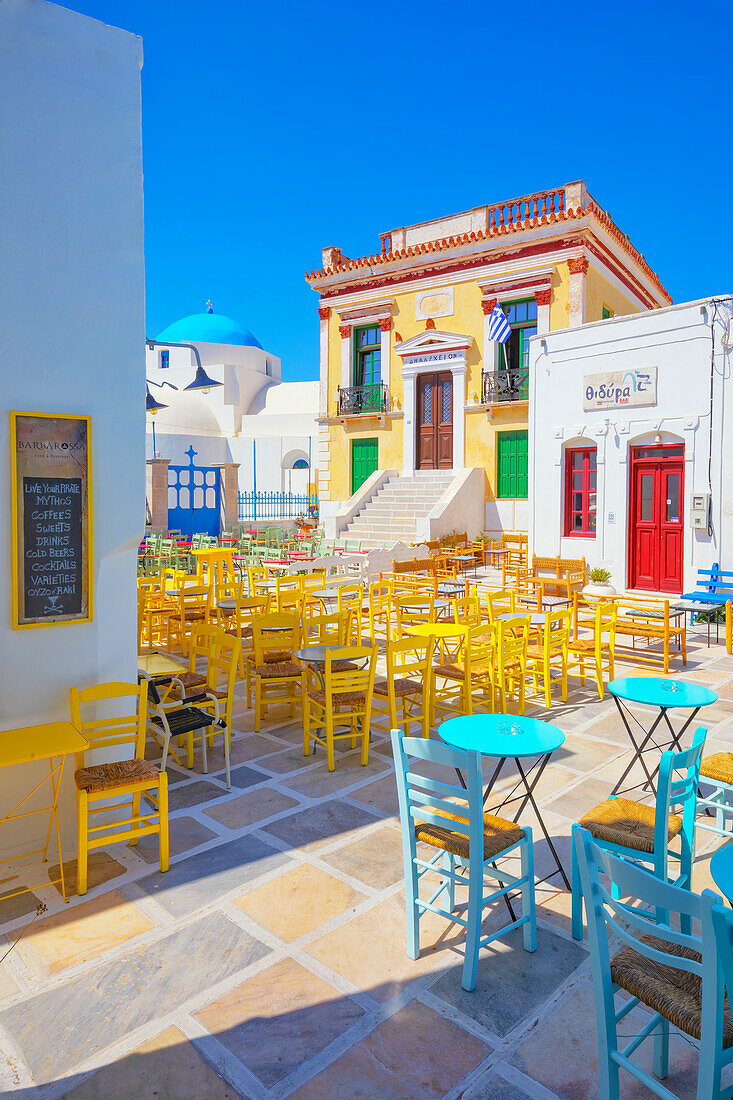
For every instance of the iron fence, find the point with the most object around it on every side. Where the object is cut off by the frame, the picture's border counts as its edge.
(264, 505)
(498, 386)
(354, 400)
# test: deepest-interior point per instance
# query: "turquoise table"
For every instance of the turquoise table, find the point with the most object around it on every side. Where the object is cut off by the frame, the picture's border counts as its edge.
(510, 737)
(721, 871)
(667, 695)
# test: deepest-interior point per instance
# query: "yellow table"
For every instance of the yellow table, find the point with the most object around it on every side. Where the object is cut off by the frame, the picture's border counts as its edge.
(158, 664)
(53, 741)
(439, 630)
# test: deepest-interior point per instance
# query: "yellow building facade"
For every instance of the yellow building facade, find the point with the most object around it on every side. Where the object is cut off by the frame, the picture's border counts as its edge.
(410, 379)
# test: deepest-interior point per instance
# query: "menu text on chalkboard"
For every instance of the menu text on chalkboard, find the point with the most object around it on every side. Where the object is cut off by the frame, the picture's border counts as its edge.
(51, 519)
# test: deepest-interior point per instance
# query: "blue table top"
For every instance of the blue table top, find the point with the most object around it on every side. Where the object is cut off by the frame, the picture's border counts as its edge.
(660, 691)
(721, 869)
(501, 735)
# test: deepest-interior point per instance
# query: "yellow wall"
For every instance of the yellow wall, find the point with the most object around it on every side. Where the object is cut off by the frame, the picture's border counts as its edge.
(600, 293)
(389, 457)
(481, 445)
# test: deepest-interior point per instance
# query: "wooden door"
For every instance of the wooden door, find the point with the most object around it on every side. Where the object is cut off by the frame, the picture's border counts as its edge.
(656, 536)
(434, 422)
(364, 461)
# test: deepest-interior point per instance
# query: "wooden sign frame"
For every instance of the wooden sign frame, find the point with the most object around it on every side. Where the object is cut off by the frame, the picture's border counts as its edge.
(55, 450)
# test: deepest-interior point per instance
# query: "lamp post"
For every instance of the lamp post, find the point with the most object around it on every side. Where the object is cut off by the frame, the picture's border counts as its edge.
(152, 406)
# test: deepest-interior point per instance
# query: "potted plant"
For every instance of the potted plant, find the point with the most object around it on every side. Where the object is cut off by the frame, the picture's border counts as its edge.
(598, 587)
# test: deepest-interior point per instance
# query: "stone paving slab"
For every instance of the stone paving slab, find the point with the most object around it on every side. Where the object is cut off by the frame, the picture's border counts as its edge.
(203, 878)
(318, 824)
(65, 1026)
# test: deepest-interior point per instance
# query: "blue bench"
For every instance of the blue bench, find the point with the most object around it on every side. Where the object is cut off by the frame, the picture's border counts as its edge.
(714, 586)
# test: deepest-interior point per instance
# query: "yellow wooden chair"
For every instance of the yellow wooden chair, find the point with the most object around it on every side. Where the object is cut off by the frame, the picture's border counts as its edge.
(278, 676)
(599, 651)
(345, 698)
(407, 684)
(467, 609)
(350, 601)
(551, 653)
(194, 603)
(258, 578)
(461, 684)
(217, 699)
(380, 610)
(499, 603)
(409, 610)
(510, 661)
(128, 779)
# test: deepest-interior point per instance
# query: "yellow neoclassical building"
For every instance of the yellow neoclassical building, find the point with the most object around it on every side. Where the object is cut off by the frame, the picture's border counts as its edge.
(411, 385)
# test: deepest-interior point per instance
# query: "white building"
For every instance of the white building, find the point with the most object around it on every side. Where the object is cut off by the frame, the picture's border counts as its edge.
(252, 418)
(631, 444)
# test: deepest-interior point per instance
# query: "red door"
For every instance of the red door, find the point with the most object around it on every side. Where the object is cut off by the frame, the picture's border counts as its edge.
(656, 529)
(434, 421)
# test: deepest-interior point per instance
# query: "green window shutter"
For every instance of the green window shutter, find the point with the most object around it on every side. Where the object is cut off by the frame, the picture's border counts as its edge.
(364, 461)
(512, 464)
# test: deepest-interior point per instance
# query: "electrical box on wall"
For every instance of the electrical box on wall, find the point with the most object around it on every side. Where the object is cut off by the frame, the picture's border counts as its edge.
(699, 508)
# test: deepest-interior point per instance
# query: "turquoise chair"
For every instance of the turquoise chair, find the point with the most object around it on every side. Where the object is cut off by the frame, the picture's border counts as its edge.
(716, 773)
(467, 841)
(682, 978)
(635, 831)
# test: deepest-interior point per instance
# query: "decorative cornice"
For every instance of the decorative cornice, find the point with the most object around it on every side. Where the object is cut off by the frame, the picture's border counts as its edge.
(385, 324)
(323, 312)
(345, 331)
(487, 305)
(577, 265)
(543, 297)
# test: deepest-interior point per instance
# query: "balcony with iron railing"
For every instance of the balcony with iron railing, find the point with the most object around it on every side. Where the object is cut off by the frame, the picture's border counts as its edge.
(362, 400)
(501, 386)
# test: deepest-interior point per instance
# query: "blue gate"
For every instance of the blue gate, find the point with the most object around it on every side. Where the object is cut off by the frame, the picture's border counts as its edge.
(193, 498)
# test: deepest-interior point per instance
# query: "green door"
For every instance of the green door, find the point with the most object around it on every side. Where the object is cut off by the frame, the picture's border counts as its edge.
(364, 461)
(511, 473)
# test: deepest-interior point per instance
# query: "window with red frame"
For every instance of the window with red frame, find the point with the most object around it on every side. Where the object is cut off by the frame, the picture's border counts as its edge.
(580, 492)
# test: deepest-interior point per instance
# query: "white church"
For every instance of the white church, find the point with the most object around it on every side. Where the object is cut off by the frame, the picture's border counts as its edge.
(212, 387)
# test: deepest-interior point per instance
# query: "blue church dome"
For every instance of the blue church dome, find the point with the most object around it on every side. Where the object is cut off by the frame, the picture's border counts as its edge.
(208, 328)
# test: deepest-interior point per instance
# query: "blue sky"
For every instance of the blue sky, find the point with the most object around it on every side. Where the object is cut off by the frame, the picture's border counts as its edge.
(273, 129)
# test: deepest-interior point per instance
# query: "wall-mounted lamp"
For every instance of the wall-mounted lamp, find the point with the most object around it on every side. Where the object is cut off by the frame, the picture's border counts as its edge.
(201, 382)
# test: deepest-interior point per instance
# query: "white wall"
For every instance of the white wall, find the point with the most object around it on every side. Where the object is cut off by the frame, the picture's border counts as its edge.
(72, 329)
(677, 340)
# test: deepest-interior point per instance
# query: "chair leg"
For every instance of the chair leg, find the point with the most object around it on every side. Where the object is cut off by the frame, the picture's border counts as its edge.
(529, 930)
(330, 755)
(473, 932)
(135, 827)
(448, 882)
(82, 823)
(164, 855)
(364, 730)
(548, 684)
(582, 672)
(258, 703)
(306, 725)
(227, 749)
(577, 892)
(660, 1056)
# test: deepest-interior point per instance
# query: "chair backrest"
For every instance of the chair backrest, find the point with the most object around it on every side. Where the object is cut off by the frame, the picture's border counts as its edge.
(410, 659)
(422, 797)
(204, 639)
(111, 730)
(556, 631)
(605, 623)
(337, 680)
(326, 629)
(633, 924)
(512, 636)
(499, 603)
(480, 645)
(467, 609)
(194, 598)
(679, 773)
(275, 634)
(222, 670)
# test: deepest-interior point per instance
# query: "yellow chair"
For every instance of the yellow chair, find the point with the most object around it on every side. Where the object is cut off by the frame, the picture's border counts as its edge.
(278, 677)
(468, 680)
(409, 665)
(600, 649)
(350, 601)
(551, 653)
(380, 609)
(510, 661)
(346, 697)
(499, 603)
(193, 606)
(217, 699)
(258, 577)
(129, 779)
(412, 609)
(467, 609)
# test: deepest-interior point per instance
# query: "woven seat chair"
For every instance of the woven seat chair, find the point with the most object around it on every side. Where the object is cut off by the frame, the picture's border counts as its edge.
(460, 686)
(345, 699)
(598, 650)
(716, 773)
(444, 816)
(130, 779)
(512, 639)
(551, 653)
(279, 678)
(194, 602)
(350, 601)
(681, 977)
(380, 610)
(644, 834)
(407, 684)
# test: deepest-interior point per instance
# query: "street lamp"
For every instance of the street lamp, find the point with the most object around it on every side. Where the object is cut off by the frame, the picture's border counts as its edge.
(152, 406)
(201, 382)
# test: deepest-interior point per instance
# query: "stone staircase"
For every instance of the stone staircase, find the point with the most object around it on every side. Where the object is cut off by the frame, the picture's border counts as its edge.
(392, 513)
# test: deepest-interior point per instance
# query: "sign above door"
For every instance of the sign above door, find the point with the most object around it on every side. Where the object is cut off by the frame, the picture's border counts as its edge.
(620, 389)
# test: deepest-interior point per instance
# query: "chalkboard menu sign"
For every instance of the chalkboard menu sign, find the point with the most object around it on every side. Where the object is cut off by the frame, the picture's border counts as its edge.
(51, 518)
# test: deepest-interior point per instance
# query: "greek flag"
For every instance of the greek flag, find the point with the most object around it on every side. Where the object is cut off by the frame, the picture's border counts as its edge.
(499, 327)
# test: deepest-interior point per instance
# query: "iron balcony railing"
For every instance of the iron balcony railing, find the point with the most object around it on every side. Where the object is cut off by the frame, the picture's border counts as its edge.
(356, 400)
(498, 386)
(276, 505)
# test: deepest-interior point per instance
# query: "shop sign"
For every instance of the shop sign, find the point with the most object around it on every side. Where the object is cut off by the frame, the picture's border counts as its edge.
(620, 389)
